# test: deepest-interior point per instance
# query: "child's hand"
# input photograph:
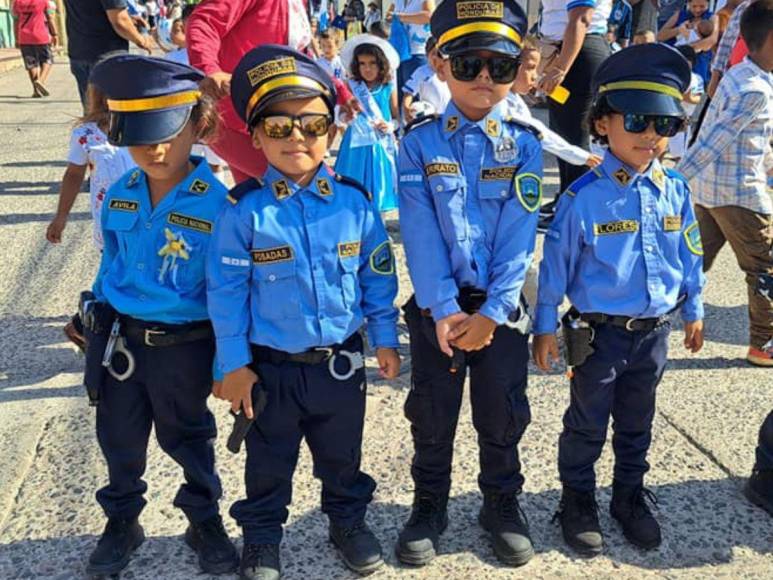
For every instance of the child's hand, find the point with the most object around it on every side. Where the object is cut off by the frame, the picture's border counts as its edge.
(544, 348)
(693, 335)
(55, 229)
(237, 388)
(388, 362)
(444, 326)
(593, 161)
(473, 333)
(217, 389)
(217, 85)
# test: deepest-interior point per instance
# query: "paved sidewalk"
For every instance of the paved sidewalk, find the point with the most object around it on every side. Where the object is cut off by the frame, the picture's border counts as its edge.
(710, 407)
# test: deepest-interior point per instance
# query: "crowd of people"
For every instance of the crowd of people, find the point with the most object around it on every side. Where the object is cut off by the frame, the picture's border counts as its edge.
(259, 293)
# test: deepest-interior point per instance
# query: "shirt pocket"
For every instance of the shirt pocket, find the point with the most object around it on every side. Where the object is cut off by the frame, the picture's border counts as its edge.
(121, 224)
(278, 292)
(449, 193)
(499, 190)
(349, 281)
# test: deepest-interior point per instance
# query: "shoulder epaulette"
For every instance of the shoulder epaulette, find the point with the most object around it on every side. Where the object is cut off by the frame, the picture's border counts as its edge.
(583, 181)
(420, 121)
(355, 184)
(243, 188)
(524, 125)
(675, 174)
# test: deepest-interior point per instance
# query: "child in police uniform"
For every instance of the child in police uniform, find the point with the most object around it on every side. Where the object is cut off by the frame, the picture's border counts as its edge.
(300, 261)
(470, 187)
(625, 247)
(156, 224)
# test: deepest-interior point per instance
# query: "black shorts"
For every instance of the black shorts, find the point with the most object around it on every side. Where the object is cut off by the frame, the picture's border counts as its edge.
(35, 55)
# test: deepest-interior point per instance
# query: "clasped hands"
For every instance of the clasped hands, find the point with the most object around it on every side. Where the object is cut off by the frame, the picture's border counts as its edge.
(464, 331)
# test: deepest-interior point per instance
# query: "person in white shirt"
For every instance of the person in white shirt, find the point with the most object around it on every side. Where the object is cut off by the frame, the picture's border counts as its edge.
(425, 92)
(329, 59)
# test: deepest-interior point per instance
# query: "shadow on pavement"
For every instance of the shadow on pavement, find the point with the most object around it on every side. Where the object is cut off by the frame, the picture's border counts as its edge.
(29, 187)
(727, 324)
(40, 163)
(23, 218)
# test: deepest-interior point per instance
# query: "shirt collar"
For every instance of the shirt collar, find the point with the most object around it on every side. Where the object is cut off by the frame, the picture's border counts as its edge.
(283, 187)
(199, 180)
(757, 70)
(491, 125)
(623, 176)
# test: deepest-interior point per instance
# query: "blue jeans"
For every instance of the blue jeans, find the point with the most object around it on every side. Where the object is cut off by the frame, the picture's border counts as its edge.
(81, 70)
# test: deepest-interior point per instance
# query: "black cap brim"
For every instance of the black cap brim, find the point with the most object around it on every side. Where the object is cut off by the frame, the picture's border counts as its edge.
(645, 103)
(147, 127)
(287, 94)
(481, 41)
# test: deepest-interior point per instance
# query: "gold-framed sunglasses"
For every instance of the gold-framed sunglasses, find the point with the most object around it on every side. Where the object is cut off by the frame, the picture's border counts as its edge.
(281, 126)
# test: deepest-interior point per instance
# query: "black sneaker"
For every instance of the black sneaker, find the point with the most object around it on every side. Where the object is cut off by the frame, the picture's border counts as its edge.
(759, 489)
(217, 555)
(578, 513)
(502, 517)
(115, 547)
(629, 507)
(260, 562)
(418, 541)
(360, 549)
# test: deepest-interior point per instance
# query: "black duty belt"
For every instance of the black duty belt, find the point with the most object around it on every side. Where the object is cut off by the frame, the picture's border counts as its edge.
(159, 335)
(313, 356)
(625, 322)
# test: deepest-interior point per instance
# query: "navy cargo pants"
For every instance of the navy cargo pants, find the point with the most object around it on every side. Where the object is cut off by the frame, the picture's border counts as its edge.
(304, 401)
(618, 379)
(168, 390)
(500, 409)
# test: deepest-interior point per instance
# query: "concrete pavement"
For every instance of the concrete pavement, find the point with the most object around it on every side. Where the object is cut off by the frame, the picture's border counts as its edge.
(710, 408)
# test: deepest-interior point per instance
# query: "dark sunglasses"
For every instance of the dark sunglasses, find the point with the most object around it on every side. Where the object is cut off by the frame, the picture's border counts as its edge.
(665, 126)
(281, 126)
(467, 67)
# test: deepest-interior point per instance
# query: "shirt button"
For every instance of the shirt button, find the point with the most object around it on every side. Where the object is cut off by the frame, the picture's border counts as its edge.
(142, 297)
(503, 193)
(140, 266)
(148, 225)
(648, 210)
(271, 278)
(650, 248)
(439, 188)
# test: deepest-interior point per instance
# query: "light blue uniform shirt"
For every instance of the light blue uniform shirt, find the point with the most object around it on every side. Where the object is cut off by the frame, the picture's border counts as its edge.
(469, 194)
(153, 262)
(294, 268)
(624, 244)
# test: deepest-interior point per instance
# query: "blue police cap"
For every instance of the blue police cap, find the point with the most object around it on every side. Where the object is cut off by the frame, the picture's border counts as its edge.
(467, 25)
(272, 73)
(648, 79)
(150, 99)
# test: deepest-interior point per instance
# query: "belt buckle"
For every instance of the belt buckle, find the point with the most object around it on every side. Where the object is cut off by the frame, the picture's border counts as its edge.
(149, 332)
(628, 324)
(328, 351)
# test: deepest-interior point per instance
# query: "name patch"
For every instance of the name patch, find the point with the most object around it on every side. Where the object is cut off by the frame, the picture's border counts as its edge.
(348, 249)
(498, 173)
(441, 169)
(270, 68)
(272, 255)
(621, 227)
(124, 205)
(192, 223)
(469, 10)
(672, 223)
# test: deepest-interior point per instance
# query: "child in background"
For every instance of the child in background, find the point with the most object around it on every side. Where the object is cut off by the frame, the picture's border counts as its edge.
(368, 149)
(425, 92)
(685, 24)
(678, 144)
(329, 59)
(612, 38)
(620, 23)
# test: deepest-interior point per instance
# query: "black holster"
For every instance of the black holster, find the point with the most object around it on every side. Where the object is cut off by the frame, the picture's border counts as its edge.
(97, 318)
(578, 337)
(242, 423)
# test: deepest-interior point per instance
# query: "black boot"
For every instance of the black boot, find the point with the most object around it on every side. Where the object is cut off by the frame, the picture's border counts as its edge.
(115, 547)
(579, 517)
(418, 542)
(502, 517)
(629, 507)
(260, 562)
(759, 489)
(217, 555)
(359, 548)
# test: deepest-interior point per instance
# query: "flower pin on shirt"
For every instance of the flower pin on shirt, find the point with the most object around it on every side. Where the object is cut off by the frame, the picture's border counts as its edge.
(175, 247)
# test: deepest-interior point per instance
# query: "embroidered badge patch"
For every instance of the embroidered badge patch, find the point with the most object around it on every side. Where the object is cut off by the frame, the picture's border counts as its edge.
(192, 223)
(323, 185)
(176, 248)
(672, 223)
(382, 261)
(452, 123)
(505, 173)
(124, 205)
(658, 177)
(133, 178)
(348, 249)
(492, 127)
(619, 227)
(528, 188)
(199, 186)
(272, 255)
(474, 10)
(271, 68)
(281, 189)
(505, 150)
(441, 169)
(622, 176)
(692, 235)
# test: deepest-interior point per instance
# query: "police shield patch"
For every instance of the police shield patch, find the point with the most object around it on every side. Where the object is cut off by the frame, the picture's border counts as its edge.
(528, 187)
(692, 235)
(382, 261)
